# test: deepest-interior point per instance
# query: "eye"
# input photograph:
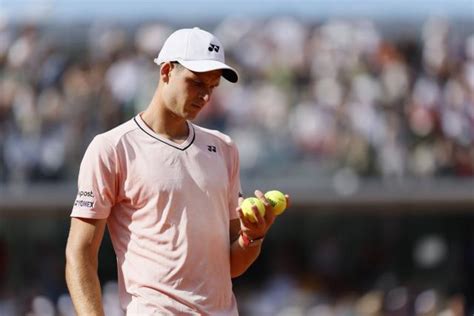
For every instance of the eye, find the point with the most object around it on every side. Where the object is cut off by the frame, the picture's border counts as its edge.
(197, 83)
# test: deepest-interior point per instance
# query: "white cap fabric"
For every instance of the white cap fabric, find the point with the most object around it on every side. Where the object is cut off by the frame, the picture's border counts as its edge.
(197, 50)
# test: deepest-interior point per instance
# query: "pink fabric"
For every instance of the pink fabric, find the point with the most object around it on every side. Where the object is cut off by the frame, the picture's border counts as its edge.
(168, 208)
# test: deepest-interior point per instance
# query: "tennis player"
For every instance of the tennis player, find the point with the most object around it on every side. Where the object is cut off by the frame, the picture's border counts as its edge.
(168, 192)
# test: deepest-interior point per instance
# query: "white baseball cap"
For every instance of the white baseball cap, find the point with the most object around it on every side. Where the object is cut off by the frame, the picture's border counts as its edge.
(197, 50)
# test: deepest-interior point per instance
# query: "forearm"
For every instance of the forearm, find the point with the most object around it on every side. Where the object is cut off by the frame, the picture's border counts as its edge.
(241, 257)
(84, 286)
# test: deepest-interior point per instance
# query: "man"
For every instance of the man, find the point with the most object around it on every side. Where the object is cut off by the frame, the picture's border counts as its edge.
(168, 191)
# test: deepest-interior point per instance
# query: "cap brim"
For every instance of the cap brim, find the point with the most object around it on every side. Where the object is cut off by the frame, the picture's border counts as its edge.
(228, 72)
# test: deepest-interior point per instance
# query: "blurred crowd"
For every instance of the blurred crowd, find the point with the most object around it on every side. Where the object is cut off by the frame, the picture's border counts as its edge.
(283, 299)
(311, 265)
(339, 95)
(289, 289)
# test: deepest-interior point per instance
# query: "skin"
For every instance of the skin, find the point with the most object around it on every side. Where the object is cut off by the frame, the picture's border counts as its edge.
(180, 96)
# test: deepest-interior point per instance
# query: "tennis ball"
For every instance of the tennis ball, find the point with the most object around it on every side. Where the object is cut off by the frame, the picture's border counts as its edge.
(277, 200)
(246, 207)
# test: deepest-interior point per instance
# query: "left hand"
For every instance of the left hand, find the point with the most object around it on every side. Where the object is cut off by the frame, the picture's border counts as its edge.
(259, 228)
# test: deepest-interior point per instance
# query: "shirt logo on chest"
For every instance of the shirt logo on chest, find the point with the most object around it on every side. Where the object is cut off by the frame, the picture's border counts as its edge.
(212, 149)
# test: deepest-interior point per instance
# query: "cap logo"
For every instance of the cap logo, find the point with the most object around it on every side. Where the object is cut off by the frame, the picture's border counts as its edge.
(213, 47)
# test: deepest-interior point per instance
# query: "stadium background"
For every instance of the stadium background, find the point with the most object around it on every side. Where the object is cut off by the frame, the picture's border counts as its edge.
(363, 112)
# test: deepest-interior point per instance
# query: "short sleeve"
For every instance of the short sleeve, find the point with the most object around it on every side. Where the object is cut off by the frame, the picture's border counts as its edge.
(97, 181)
(235, 187)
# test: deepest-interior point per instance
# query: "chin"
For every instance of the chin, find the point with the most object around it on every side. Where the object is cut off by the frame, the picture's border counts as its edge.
(193, 113)
(190, 116)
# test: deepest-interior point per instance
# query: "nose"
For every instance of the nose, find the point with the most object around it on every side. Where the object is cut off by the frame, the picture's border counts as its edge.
(205, 95)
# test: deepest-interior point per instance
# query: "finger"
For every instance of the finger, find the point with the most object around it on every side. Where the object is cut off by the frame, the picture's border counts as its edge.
(244, 220)
(258, 217)
(269, 215)
(260, 195)
(241, 199)
(287, 197)
(242, 217)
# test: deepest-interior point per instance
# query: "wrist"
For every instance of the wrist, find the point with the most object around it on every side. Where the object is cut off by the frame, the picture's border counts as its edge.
(245, 241)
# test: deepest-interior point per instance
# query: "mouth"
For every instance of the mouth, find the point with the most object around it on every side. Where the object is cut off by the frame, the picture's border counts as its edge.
(196, 105)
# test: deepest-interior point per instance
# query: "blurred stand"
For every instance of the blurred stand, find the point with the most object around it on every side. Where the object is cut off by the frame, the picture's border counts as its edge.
(368, 126)
(340, 195)
(334, 96)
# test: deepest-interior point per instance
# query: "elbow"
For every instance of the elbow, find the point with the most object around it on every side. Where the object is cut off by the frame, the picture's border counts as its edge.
(237, 271)
(69, 263)
(72, 253)
(71, 257)
(234, 275)
(69, 254)
(77, 255)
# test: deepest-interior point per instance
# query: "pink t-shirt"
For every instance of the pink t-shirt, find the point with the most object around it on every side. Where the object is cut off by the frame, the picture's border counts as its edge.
(168, 208)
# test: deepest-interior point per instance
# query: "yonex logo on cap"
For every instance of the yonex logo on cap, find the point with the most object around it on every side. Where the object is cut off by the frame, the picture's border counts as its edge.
(213, 47)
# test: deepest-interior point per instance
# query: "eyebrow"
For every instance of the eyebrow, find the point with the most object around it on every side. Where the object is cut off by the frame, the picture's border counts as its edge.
(198, 79)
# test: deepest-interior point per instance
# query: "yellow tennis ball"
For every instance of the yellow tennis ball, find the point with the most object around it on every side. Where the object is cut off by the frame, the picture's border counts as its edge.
(246, 207)
(277, 200)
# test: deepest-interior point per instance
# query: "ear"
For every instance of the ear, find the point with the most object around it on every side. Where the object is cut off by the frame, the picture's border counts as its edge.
(165, 71)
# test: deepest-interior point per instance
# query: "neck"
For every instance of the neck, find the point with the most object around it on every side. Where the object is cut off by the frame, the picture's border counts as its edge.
(164, 122)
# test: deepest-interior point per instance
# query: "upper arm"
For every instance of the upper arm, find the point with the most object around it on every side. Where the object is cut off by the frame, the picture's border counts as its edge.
(234, 229)
(85, 236)
(97, 180)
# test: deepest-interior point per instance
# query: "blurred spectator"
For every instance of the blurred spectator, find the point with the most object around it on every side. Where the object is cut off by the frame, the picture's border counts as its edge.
(42, 306)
